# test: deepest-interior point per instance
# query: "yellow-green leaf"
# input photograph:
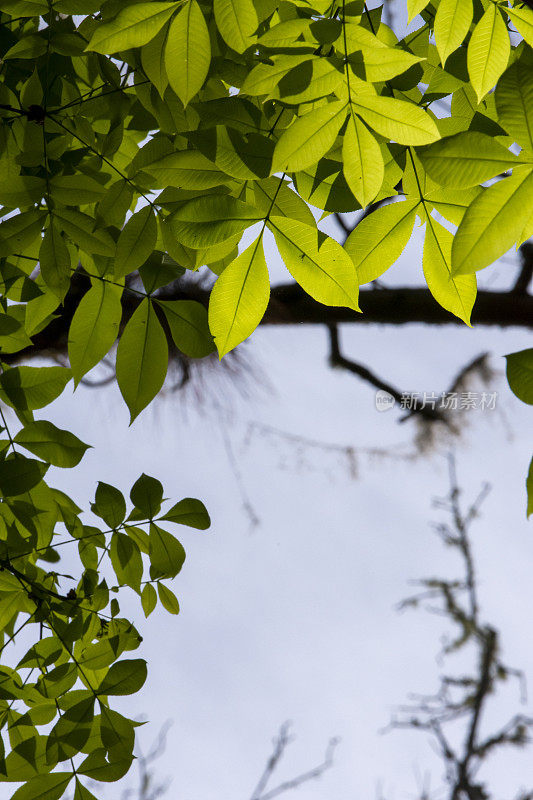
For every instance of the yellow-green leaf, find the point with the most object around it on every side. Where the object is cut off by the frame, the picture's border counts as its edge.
(452, 23)
(188, 52)
(309, 138)
(362, 160)
(134, 26)
(237, 22)
(239, 298)
(454, 293)
(493, 222)
(397, 120)
(380, 238)
(488, 51)
(321, 266)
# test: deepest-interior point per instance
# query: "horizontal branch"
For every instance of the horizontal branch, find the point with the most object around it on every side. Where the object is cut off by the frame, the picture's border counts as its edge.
(290, 305)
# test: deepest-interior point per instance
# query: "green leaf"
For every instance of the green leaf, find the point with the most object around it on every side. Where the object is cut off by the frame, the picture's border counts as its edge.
(529, 490)
(153, 60)
(397, 120)
(126, 560)
(76, 190)
(520, 374)
(148, 599)
(273, 197)
(309, 138)
(239, 298)
(166, 553)
(58, 447)
(124, 677)
(414, 7)
(169, 601)
(187, 320)
(55, 262)
(488, 51)
(322, 268)
(514, 100)
(522, 19)
(29, 388)
(493, 222)
(362, 160)
(452, 23)
(82, 793)
(466, 159)
(187, 169)
(31, 46)
(189, 511)
(136, 242)
(94, 327)
(44, 787)
(109, 504)
(209, 220)
(134, 26)
(142, 359)
(456, 294)
(19, 474)
(237, 22)
(380, 238)
(188, 52)
(147, 495)
(81, 229)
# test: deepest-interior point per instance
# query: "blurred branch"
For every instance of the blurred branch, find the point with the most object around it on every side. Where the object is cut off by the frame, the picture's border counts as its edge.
(280, 745)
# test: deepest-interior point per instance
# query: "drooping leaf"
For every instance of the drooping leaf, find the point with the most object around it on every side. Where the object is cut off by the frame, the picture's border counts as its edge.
(55, 262)
(142, 359)
(454, 293)
(168, 599)
(362, 161)
(166, 553)
(488, 51)
(136, 242)
(239, 298)
(188, 323)
(94, 327)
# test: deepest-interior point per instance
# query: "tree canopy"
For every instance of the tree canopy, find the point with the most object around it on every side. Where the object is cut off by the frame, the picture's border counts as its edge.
(141, 141)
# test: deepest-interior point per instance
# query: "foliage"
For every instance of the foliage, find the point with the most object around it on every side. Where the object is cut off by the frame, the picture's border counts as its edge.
(148, 138)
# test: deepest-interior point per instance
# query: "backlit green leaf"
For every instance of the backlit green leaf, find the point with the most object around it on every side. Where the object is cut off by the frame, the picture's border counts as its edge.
(94, 327)
(309, 138)
(142, 359)
(58, 447)
(188, 52)
(454, 293)
(136, 242)
(239, 298)
(134, 26)
(187, 320)
(488, 51)
(322, 268)
(379, 239)
(236, 21)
